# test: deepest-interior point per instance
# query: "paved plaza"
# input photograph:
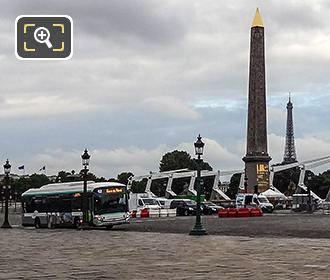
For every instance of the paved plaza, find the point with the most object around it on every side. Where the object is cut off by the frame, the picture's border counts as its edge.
(271, 225)
(281, 224)
(130, 253)
(71, 254)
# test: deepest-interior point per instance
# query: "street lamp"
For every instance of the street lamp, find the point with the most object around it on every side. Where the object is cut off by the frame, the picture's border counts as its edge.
(85, 163)
(2, 198)
(15, 197)
(198, 228)
(6, 168)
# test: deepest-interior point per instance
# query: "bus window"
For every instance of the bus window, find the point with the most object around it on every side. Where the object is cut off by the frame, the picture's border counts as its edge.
(52, 204)
(64, 205)
(76, 204)
(59, 204)
(29, 206)
(23, 203)
(38, 204)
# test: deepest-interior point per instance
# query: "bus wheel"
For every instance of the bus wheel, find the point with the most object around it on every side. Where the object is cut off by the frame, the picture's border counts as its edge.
(37, 223)
(76, 223)
(109, 227)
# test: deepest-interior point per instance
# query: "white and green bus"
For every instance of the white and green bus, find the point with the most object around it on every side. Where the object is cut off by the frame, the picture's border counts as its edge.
(61, 205)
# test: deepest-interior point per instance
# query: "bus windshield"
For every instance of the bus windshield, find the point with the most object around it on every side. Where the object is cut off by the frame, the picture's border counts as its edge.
(104, 203)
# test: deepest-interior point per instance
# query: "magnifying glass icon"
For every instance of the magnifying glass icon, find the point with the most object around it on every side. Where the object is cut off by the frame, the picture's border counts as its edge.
(41, 35)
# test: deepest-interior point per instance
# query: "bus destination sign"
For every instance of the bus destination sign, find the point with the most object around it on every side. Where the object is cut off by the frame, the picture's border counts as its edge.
(114, 190)
(110, 190)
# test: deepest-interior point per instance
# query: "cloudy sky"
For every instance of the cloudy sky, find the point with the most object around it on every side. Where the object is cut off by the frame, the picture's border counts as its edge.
(147, 76)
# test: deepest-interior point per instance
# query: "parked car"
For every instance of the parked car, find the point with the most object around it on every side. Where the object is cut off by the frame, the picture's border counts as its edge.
(184, 207)
(253, 200)
(164, 202)
(209, 208)
(264, 204)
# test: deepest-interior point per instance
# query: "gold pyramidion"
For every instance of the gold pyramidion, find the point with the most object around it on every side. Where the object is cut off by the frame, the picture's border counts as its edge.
(257, 21)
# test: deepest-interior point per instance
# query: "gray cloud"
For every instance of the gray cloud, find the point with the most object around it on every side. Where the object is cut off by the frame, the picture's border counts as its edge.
(150, 74)
(152, 21)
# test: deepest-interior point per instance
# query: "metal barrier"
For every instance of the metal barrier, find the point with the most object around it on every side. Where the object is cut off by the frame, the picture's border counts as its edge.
(153, 213)
(239, 212)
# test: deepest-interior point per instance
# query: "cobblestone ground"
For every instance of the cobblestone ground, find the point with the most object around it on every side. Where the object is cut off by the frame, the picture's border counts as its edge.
(162, 249)
(288, 225)
(72, 254)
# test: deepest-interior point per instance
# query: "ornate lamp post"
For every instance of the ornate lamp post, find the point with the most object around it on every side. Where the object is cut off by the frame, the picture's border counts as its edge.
(85, 162)
(198, 228)
(6, 168)
(15, 197)
(2, 197)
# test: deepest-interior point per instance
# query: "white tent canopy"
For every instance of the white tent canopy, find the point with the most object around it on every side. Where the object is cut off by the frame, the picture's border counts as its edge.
(272, 194)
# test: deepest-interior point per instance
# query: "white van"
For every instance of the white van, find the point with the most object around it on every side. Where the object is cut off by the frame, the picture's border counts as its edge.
(139, 201)
(254, 200)
(164, 202)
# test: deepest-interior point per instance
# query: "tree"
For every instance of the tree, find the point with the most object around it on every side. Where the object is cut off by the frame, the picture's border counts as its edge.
(158, 186)
(319, 183)
(139, 186)
(205, 165)
(92, 177)
(38, 180)
(286, 181)
(179, 160)
(27, 182)
(234, 185)
(64, 176)
(175, 160)
(123, 177)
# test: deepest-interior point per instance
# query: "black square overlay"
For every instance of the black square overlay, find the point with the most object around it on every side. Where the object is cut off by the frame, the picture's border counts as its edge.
(58, 30)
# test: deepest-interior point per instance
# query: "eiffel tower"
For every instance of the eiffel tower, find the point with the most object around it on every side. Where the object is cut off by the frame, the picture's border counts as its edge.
(290, 151)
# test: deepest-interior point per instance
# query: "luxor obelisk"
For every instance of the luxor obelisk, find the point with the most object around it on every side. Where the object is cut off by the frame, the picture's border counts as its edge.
(257, 158)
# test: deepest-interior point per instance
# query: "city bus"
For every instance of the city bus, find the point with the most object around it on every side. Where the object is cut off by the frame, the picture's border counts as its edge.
(60, 204)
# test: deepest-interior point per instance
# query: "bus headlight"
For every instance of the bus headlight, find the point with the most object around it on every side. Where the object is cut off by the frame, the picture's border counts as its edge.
(97, 217)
